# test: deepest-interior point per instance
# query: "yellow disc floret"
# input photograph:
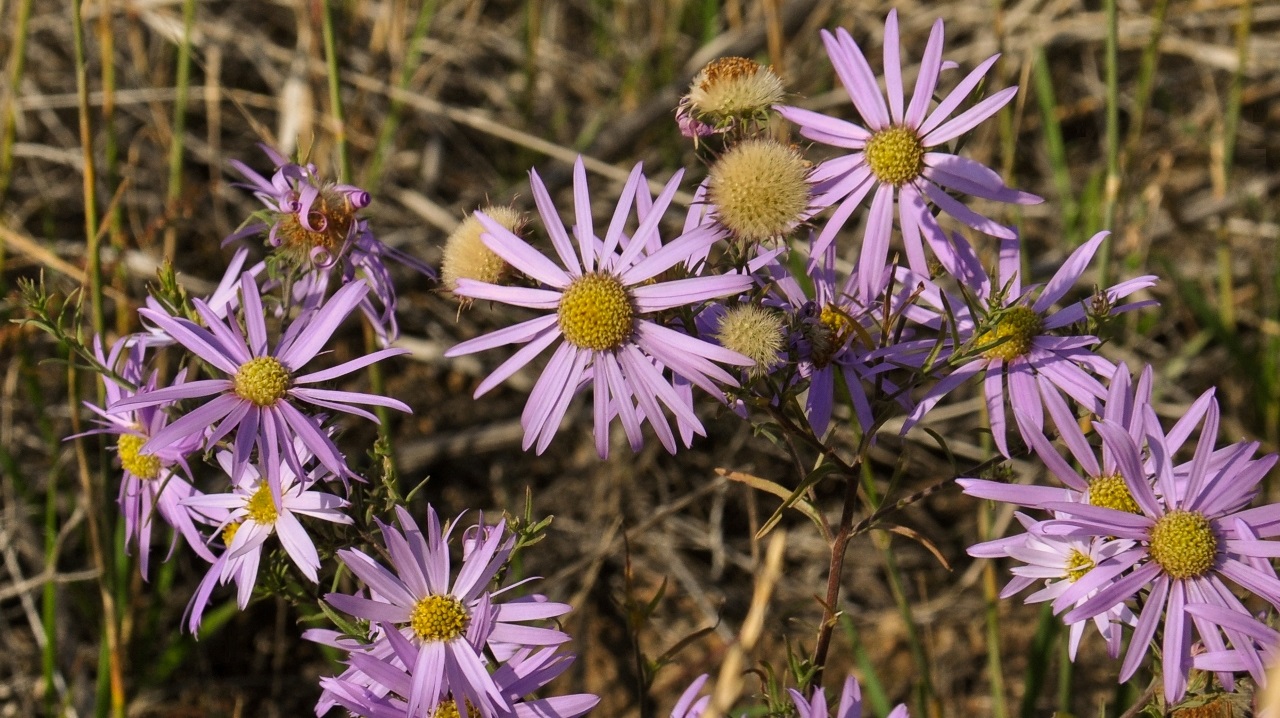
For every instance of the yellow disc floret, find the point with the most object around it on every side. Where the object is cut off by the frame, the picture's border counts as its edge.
(1078, 564)
(760, 189)
(1183, 543)
(1015, 330)
(734, 87)
(595, 313)
(828, 335)
(1111, 492)
(143, 466)
(439, 618)
(895, 155)
(261, 507)
(446, 709)
(262, 380)
(754, 332)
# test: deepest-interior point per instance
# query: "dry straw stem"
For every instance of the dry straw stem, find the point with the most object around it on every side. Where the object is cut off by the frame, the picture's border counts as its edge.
(729, 683)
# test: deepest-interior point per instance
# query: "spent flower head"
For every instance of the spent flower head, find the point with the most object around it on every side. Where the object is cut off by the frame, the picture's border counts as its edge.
(728, 93)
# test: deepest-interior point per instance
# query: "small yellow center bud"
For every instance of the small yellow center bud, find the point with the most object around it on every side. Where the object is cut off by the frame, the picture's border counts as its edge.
(1015, 330)
(467, 257)
(1111, 492)
(828, 335)
(595, 313)
(439, 618)
(1183, 543)
(754, 332)
(1078, 564)
(734, 87)
(143, 466)
(895, 155)
(262, 380)
(261, 507)
(760, 189)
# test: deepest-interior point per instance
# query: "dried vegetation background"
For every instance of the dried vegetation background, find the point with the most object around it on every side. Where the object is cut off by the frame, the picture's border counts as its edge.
(494, 88)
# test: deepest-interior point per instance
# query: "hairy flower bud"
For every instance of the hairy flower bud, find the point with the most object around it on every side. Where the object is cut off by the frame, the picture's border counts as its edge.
(467, 257)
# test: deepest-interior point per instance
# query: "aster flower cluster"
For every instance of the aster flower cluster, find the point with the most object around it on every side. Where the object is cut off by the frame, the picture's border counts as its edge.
(238, 454)
(755, 296)
(1133, 538)
(441, 643)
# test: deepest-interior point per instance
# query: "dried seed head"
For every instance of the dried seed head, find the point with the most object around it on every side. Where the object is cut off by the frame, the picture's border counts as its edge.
(467, 257)
(733, 87)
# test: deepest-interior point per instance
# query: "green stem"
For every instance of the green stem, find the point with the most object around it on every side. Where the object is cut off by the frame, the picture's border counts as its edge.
(176, 146)
(392, 121)
(335, 93)
(1111, 187)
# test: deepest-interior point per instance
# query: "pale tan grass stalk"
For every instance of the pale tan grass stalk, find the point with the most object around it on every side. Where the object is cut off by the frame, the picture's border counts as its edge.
(729, 681)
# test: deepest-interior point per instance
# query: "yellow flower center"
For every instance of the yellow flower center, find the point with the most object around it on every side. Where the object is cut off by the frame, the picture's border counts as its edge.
(895, 155)
(229, 533)
(827, 336)
(1183, 543)
(446, 709)
(1111, 492)
(595, 313)
(439, 618)
(1015, 330)
(143, 466)
(262, 380)
(261, 507)
(1078, 564)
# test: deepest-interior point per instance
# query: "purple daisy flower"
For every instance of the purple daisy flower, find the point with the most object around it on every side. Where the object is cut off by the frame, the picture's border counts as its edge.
(516, 679)
(598, 306)
(152, 485)
(451, 621)
(690, 705)
(1059, 562)
(247, 516)
(1097, 483)
(1187, 538)
(257, 399)
(900, 154)
(815, 706)
(1018, 350)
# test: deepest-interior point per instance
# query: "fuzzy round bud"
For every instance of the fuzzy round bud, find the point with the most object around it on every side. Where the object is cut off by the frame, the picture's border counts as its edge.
(467, 257)
(754, 332)
(760, 189)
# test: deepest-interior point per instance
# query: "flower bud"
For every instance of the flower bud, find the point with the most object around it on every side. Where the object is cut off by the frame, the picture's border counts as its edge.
(467, 257)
